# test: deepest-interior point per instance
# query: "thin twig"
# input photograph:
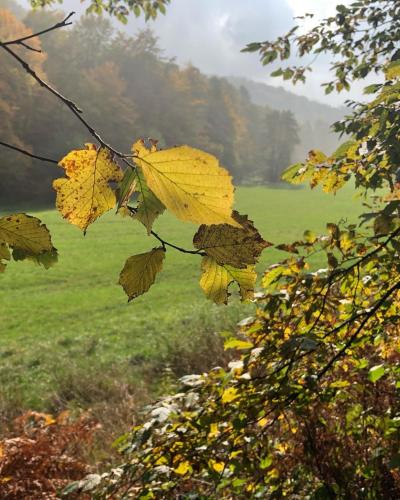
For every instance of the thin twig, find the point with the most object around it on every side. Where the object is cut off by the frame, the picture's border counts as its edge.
(165, 243)
(27, 153)
(61, 24)
(70, 104)
(74, 108)
(348, 344)
(29, 47)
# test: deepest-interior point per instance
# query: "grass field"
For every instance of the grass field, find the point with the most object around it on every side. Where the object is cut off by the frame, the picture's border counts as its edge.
(71, 324)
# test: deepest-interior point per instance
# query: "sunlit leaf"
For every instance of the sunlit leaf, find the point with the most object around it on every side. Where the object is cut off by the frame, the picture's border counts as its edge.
(85, 194)
(238, 344)
(183, 468)
(229, 395)
(189, 182)
(216, 279)
(376, 372)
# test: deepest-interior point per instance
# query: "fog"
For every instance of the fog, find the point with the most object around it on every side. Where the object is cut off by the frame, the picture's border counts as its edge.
(211, 33)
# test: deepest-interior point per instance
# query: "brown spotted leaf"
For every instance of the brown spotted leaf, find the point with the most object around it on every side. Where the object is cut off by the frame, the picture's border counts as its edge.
(235, 246)
(85, 194)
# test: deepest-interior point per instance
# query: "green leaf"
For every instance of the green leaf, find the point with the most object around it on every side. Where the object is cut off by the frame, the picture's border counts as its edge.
(372, 89)
(126, 187)
(149, 207)
(266, 462)
(376, 372)
(296, 174)
(240, 345)
(140, 272)
(342, 150)
(252, 47)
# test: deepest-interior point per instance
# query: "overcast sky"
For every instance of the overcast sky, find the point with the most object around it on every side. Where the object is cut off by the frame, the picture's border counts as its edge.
(210, 34)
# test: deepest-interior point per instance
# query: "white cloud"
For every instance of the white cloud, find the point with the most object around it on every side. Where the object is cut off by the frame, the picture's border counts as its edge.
(211, 33)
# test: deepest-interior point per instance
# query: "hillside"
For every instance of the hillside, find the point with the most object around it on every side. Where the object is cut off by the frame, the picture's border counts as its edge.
(314, 118)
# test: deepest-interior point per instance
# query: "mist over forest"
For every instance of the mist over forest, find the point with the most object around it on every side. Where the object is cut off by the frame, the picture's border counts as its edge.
(127, 89)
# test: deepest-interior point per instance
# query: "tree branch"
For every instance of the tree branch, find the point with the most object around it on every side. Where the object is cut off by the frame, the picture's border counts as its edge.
(77, 112)
(70, 104)
(19, 41)
(165, 243)
(353, 337)
(27, 153)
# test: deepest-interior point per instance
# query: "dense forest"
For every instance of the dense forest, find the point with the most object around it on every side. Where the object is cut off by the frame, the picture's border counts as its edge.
(127, 88)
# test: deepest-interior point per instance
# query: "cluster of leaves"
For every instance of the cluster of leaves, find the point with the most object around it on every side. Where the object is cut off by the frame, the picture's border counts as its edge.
(44, 455)
(119, 8)
(183, 180)
(310, 407)
(360, 37)
(186, 181)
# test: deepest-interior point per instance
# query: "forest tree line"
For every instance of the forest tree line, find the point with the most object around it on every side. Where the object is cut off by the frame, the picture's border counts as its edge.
(126, 88)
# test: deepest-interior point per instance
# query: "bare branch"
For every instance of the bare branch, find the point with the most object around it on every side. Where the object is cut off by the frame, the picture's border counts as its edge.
(27, 153)
(70, 104)
(30, 48)
(19, 41)
(41, 82)
(165, 243)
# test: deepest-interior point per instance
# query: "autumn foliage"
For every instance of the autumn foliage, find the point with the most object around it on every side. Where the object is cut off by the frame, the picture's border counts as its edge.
(309, 406)
(44, 454)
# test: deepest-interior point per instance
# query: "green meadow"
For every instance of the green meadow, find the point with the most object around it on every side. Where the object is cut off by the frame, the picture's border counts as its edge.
(71, 325)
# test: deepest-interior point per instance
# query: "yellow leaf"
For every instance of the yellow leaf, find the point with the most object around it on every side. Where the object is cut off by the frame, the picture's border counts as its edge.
(236, 246)
(183, 468)
(217, 466)
(214, 432)
(140, 272)
(229, 395)
(240, 345)
(49, 419)
(263, 422)
(216, 279)
(393, 70)
(189, 182)
(85, 193)
(28, 238)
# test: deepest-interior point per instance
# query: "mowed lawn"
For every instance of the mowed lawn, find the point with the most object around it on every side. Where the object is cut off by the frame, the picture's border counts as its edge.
(75, 314)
